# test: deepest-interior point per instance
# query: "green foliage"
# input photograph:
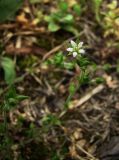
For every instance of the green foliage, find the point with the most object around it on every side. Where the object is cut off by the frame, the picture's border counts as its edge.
(9, 70)
(96, 6)
(107, 67)
(8, 8)
(99, 80)
(77, 9)
(35, 1)
(111, 20)
(59, 60)
(12, 99)
(83, 62)
(61, 19)
(34, 132)
(72, 88)
(63, 6)
(5, 148)
(83, 78)
(50, 120)
(59, 155)
(53, 27)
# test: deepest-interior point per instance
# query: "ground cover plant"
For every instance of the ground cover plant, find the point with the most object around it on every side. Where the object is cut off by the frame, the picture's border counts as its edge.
(59, 80)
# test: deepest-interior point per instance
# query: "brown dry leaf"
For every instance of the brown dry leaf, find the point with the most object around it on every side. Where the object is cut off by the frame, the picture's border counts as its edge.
(109, 81)
(22, 19)
(26, 50)
(72, 151)
(117, 106)
(92, 149)
(62, 89)
(78, 134)
(81, 143)
(25, 22)
(26, 9)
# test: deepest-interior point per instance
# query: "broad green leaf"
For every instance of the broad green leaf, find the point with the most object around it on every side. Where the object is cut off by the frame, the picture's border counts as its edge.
(8, 8)
(9, 70)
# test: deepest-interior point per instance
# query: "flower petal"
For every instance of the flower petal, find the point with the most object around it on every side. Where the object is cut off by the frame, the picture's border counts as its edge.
(74, 54)
(81, 51)
(80, 44)
(73, 44)
(70, 49)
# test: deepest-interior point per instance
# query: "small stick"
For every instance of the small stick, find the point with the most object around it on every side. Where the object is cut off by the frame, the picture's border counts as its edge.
(85, 98)
(87, 153)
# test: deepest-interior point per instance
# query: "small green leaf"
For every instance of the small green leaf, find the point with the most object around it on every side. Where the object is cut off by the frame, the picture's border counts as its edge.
(96, 7)
(77, 9)
(51, 119)
(67, 18)
(53, 27)
(70, 28)
(69, 65)
(83, 78)
(48, 18)
(12, 98)
(107, 67)
(21, 97)
(58, 59)
(72, 88)
(9, 70)
(63, 6)
(99, 80)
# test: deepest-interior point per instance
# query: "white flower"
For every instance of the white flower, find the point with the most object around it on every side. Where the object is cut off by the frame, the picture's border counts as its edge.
(70, 49)
(80, 44)
(82, 51)
(74, 54)
(76, 49)
(73, 44)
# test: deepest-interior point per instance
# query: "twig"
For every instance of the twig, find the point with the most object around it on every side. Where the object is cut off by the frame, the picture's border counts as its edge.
(85, 98)
(52, 51)
(87, 153)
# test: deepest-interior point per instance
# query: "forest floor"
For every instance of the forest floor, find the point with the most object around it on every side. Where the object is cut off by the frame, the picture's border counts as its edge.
(39, 128)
